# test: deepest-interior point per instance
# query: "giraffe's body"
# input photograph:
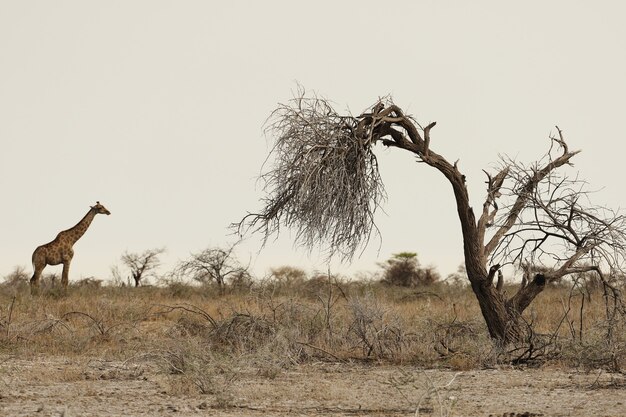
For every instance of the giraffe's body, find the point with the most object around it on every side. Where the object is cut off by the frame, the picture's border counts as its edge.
(60, 251)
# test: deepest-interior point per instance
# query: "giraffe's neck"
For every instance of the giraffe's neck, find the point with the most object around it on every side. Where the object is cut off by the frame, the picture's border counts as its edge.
(81, 227)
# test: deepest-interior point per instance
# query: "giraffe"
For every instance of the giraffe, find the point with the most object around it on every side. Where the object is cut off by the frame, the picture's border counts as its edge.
(60, 251)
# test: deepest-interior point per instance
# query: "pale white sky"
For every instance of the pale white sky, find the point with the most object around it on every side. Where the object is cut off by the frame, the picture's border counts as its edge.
(156, 109)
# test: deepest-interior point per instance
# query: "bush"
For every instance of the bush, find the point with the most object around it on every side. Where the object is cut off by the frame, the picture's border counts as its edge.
(403, 269)
(288, 275)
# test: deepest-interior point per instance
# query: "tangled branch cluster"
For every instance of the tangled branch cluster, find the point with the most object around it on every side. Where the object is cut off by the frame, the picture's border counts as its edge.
(560, 226)
(324, 183)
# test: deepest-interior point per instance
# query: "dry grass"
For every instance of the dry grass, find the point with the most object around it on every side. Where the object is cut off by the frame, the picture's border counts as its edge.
(203, 342)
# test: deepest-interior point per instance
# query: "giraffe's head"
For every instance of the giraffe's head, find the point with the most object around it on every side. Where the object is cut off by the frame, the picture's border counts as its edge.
(100, 209)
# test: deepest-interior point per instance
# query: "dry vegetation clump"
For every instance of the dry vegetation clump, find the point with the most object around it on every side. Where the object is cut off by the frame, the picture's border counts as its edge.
(203, 341)
(324, 182)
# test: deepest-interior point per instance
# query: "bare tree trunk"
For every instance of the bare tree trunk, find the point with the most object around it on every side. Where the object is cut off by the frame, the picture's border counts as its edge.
(502, 316)
(502, 322)
(501, 325)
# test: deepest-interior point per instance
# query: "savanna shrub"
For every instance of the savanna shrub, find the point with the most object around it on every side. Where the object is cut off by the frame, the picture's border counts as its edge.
(403, 269)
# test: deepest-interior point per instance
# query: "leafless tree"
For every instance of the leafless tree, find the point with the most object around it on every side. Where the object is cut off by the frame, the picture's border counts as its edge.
(324, 183)
(214, 264)
(142, 265)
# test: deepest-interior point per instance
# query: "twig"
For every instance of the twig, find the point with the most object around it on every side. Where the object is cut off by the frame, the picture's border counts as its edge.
(321, 350)
(98, 323)
(190, 309)
(10, 316)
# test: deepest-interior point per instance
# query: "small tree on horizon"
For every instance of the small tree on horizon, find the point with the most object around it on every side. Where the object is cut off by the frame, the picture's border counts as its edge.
(288, 275)
(215, 264)
(403, 269)
(141, 265)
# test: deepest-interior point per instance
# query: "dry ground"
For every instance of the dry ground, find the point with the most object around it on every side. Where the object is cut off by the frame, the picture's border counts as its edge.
(304, 350)
(55, 386)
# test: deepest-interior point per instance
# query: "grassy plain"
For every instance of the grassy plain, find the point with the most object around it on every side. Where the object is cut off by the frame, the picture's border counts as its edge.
(261, 349)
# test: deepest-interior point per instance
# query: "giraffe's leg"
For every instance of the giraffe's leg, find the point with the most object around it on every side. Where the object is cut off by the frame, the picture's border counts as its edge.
(39, 263)
(65, 274)
(34, 281)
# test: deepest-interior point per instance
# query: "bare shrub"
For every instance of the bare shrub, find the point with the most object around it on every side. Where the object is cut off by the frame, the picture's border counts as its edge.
(15, 282)
(244, 332)
(192, 366)
(459, 343)
(241, 281)
(179, 289)
(16, 277)
(423, 394)
(88, 283)
(374, 329)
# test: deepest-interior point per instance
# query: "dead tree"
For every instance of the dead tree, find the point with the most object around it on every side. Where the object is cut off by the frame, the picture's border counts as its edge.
(216, 265)
(324, 184)
(142, 264)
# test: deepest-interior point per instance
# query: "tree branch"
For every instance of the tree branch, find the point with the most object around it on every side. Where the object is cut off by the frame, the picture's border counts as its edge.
(493, 193)
(525, 194)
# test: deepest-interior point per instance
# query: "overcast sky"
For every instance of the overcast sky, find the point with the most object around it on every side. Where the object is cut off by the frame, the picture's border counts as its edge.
(156, 109)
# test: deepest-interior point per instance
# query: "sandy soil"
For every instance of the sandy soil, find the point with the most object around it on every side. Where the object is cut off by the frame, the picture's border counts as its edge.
(81, 387)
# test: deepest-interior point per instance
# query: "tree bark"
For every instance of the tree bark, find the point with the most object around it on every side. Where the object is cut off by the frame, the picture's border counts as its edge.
(502, 316)
(502, 323)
